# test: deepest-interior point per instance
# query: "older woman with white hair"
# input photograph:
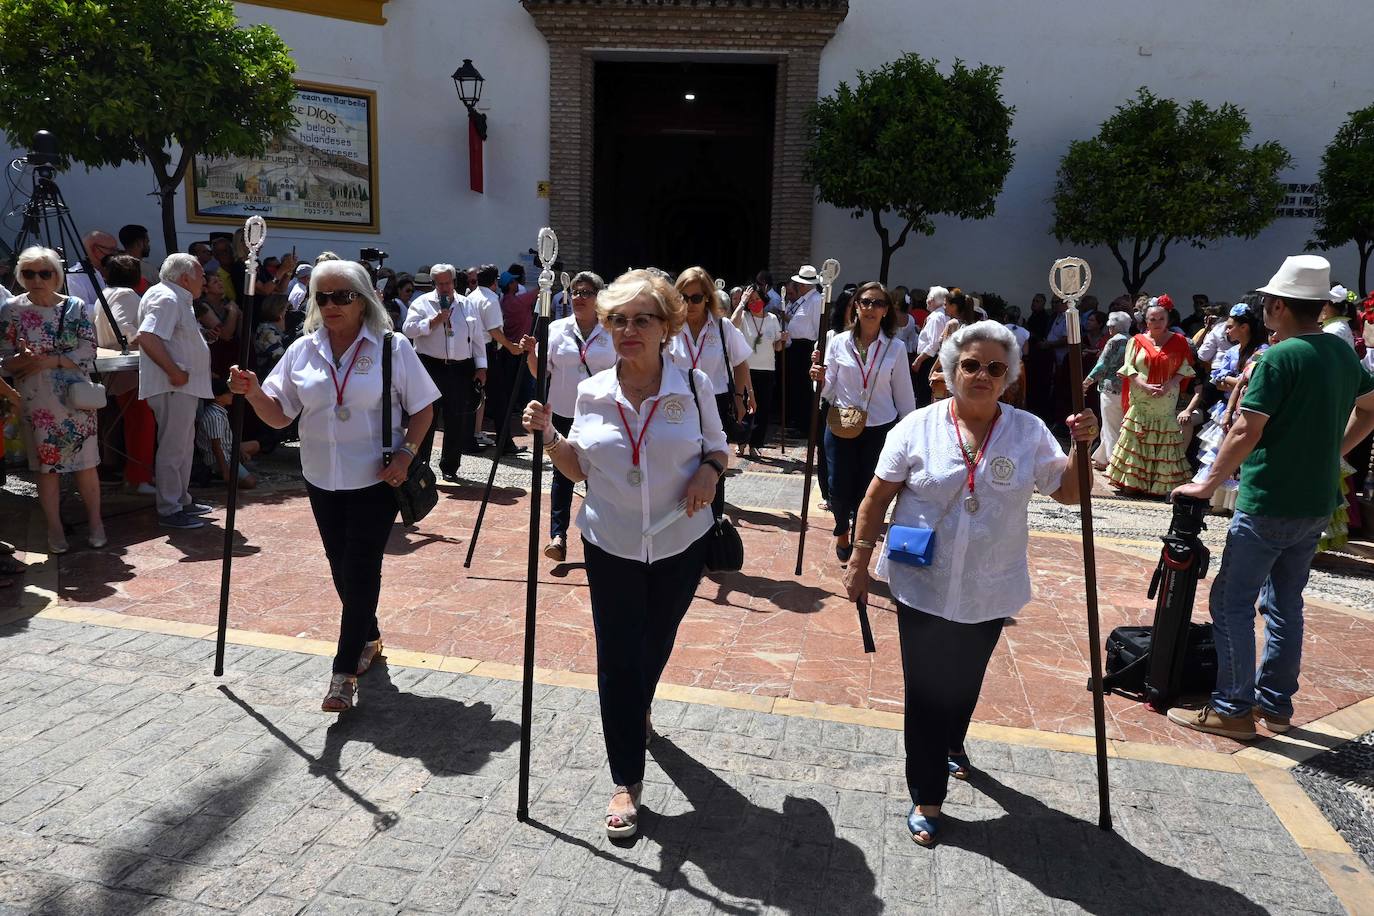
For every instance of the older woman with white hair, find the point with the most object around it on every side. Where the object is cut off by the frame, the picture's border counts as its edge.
(647, 438)
(1104, 375)
(963, 471)
(332, 378)
(50, 345)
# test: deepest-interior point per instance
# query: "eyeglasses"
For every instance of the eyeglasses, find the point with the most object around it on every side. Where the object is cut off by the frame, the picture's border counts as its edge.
(44, 274)
(871, 303)
(338, 297)
(973, 367)
(584, 294)
(642, 322)
(695, 298)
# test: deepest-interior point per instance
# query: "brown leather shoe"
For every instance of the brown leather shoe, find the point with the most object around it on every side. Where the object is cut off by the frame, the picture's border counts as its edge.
(1207, 719)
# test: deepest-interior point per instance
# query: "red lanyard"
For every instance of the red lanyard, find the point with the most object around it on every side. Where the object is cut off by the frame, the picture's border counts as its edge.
(636, 441)
(584, 346)
(877, 356)
(339, 389)
(963, 452)
(687, 338)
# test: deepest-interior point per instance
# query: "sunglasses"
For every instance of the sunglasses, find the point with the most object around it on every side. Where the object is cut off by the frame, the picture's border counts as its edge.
(872, 303)
(695, 298)
(44, 274)
(584, 294)
(973, 367)
(338, 297)
(642, 322)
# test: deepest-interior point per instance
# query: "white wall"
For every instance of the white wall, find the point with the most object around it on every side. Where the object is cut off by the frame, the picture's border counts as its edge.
(1292, 67)
(1067, 65)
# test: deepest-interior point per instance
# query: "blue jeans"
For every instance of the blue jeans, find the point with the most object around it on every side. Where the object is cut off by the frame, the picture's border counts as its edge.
(852, 463)
(561, 491)
(1267, 559)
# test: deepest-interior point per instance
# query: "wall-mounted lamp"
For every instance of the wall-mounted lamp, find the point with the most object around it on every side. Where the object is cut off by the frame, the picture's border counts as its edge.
(469, 83)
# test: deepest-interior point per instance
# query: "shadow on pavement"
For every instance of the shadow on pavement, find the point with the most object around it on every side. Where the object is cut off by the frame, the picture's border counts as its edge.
(783, 594)
(1066, 858)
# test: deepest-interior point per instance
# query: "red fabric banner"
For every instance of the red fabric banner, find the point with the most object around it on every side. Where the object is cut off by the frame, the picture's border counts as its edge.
(474, 156)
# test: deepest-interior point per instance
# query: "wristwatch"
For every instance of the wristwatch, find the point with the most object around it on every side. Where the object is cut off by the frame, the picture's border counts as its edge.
(720, 468)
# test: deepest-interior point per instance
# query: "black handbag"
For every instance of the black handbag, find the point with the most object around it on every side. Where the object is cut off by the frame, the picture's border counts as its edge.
(737, 430)
(724, 547)
(419, 492)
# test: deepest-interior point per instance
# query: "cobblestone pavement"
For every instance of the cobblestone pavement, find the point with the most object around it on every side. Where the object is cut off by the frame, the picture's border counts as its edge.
(1341, 783)
(133, 781)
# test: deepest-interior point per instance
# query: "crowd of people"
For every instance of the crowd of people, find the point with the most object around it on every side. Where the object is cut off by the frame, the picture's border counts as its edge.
(945, 401)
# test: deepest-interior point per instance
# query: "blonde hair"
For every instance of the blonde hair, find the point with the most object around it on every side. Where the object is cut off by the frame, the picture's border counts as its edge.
(635, 283)
(36, 254)
(708, 287)
(374, 316)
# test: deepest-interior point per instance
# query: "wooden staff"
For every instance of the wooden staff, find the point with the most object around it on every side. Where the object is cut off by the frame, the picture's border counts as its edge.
(782, 394)
(1069, 279)
(830, 270)
(548, 253)
(254, 234)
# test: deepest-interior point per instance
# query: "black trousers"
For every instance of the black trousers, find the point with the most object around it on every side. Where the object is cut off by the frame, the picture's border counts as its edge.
(636, 610)
(454, 380)
(561, 490)
(797, 358)
(852, 463)
(943, 664)
(354, 526)
(763, 383)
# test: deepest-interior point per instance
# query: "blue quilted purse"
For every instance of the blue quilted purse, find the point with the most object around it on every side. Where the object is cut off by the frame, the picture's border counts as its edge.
(911, 545)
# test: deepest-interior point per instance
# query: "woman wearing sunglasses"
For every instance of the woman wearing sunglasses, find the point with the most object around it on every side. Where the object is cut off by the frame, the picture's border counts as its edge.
(963, 468)
(647, 439)
(579, 347)
(707, 341)
(332, 379)
(49, 344)
(866, 380)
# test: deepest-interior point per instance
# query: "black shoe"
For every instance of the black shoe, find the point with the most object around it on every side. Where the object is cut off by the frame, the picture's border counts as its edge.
(844, 553)
(449, 476)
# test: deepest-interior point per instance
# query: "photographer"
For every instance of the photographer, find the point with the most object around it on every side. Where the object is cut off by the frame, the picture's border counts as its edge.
(1295, 422)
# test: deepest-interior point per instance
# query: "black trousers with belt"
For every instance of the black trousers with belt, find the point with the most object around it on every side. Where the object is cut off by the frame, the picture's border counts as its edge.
(762, 380)
(636, 610)
(354, 526)
(453, 377)
(943, 664)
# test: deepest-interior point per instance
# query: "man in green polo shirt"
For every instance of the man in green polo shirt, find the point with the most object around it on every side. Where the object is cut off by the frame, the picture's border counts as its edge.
(1309, 402)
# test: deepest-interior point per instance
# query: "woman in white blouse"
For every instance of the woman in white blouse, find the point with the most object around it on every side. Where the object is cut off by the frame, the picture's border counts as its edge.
(647, 439)
(716, 347)
(965, 468)
(332, 379)
(866, 369)
(579, 347)
(763, 333)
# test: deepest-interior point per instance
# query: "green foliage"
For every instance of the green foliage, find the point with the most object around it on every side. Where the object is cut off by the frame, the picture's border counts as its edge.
(914, 142)
(1345, 191)
(1159, 173)
(124, 80)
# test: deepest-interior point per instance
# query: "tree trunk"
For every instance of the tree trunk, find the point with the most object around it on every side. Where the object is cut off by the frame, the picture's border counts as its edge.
(885, 263)
(1366, 248)
(169, 219)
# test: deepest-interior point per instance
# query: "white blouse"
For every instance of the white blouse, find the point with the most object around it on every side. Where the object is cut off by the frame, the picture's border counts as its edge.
(760, 333)
(706, 352)
(617, 513)
(980, 570)
(573, 359)
(887, 390)
(346, 454)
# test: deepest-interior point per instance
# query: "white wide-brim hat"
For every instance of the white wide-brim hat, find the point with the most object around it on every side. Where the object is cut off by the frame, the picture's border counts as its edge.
(1302, 276)
(806, 275)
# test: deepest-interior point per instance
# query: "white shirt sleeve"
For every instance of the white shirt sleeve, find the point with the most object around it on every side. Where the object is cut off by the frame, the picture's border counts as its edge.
(1050, 462)
(417, 319)
(409, 378)
(832, 371)
(895, 460)
(161, 316)
(903, 395)
(280, 384)
(712, 432)
(736, 346)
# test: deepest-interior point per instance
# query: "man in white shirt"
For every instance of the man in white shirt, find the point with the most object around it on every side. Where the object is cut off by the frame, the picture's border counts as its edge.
(447, 332)
(1214, 342)
(99, 245)
(173, 375)
(299, 287)
(928, 342)
(488, 301)
(802, 320)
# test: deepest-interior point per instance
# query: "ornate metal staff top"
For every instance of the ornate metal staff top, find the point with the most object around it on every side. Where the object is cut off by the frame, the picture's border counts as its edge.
(548, 253)
(1069, 280)
(254, 234)
(830, 271)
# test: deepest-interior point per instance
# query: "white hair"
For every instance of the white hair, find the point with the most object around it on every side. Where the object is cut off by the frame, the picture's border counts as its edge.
(991, 332)
(937, 294)
(1119, 322)
(37, 254)
(178, 265)
(374, 315)
(443, 269)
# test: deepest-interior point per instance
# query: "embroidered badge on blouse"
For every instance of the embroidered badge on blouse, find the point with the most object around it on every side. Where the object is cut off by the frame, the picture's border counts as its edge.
(364, 364)
(1002, 469)
(673, 411)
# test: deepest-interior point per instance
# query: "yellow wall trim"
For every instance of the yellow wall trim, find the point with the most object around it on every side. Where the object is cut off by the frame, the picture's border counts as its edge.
(369, 11)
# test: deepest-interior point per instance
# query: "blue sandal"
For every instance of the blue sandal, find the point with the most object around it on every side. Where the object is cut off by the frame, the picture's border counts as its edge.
(918, 823)
(959, 765)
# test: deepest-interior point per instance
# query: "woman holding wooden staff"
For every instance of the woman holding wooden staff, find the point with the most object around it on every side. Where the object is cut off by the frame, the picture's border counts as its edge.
(866, 380)
(647, 439)
(579, 347)
(963, 471)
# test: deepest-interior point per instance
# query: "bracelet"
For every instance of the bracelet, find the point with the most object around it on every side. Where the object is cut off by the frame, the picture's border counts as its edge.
(861, 544)
(407, 449)
(554, 442)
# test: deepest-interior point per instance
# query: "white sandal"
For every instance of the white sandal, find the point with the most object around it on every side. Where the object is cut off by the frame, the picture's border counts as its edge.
(340, 695)
(629, 822)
